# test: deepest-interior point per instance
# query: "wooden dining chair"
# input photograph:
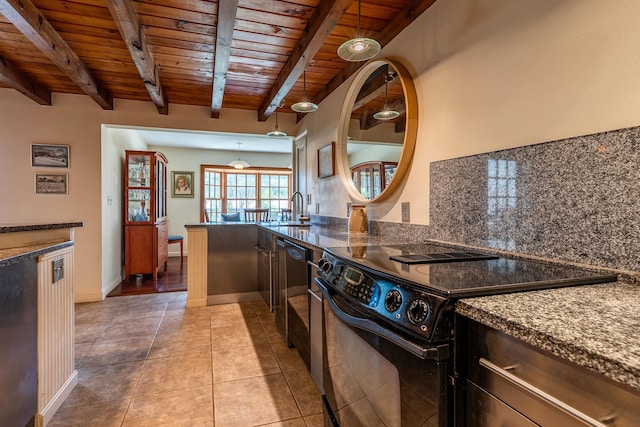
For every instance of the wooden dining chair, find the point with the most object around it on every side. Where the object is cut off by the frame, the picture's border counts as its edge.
(285, 214)
(256, 215)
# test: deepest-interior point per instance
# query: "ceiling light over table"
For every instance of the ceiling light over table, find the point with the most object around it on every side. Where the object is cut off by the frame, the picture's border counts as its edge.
(238, 164)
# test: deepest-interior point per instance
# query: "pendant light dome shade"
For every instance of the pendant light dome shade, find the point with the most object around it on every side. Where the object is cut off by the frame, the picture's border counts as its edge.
(359, 48)
(238, 164)
(386, 113)
(304, 106)
(276, 132)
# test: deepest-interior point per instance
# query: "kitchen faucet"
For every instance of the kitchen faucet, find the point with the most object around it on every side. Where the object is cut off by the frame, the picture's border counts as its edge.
(301, 206)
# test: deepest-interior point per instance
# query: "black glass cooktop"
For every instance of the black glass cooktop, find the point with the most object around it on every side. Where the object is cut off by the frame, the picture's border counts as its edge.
(462, 274)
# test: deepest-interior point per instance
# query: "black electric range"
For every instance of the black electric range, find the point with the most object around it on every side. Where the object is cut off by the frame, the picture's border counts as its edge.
(413, 287)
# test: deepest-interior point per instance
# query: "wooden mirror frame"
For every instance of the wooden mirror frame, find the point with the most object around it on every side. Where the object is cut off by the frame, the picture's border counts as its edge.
(411, 130)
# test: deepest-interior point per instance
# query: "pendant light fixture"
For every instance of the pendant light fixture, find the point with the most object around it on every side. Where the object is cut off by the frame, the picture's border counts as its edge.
(276, 131)
(238, 164)
(386, 113)
(304, 106)
(358, 48)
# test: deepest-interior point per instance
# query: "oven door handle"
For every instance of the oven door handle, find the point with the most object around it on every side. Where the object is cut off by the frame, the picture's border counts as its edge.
(437, 352)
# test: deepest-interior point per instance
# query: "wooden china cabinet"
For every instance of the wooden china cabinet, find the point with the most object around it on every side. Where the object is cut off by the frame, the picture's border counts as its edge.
(145, 229)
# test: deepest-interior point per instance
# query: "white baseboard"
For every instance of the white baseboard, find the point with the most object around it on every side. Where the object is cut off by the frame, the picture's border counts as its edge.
(47, 413)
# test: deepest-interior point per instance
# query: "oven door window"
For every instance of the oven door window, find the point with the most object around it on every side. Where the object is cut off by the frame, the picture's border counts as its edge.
(369, 381)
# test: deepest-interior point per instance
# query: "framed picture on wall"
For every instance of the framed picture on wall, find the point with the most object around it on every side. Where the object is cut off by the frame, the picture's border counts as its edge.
(50, 183)
(181, 184)
(50, 156)
(326, 161)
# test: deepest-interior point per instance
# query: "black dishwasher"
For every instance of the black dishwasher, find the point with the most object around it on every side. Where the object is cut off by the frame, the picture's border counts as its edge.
(292, 307)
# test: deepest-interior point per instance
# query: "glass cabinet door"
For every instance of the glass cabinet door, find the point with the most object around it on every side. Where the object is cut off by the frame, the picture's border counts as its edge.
(139, 201)
(139, 188)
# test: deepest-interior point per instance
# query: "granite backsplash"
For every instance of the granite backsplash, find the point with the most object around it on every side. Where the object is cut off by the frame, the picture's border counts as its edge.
(576, 199)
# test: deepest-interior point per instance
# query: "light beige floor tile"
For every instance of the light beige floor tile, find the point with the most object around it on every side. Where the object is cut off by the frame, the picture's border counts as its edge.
(190, 407)
(230, 319)
(132, 328)
(253, 401)
(136, 312)
(195, 322)
(90, 332)
(243, 362)
(80, 350)
(181, 342)
(107, 414)
(304, 391)
(316, 420)
(98, 316)
(178, 309)
(288, 358)
(238, 336)
(119, 350)
(175, 373)
(177, 296)
(271, 331)
(296, 422)
(104, 383)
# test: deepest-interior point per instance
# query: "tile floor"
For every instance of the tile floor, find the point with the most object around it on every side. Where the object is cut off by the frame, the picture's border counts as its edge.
(145, 360)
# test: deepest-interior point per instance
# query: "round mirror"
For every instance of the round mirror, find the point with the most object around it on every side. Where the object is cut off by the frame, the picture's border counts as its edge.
(378, 130)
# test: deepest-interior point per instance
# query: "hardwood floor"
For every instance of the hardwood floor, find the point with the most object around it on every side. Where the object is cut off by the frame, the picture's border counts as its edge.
(172, 280)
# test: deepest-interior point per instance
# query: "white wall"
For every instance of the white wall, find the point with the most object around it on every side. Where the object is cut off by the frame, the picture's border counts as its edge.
(494, 74)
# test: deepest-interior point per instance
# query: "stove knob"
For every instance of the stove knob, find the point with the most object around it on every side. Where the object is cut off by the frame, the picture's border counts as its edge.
(393, 300)
(325, 266)
(418, 311)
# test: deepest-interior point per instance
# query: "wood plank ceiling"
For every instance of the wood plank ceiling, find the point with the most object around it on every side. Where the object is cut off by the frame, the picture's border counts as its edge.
(243, 54)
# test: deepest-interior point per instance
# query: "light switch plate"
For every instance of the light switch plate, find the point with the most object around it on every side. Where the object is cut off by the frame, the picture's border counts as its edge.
(405, 212)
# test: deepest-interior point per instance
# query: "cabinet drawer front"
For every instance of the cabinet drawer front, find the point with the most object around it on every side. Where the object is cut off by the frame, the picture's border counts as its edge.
(546, 389)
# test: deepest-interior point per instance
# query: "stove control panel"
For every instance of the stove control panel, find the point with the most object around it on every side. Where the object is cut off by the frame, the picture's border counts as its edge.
(397, 302)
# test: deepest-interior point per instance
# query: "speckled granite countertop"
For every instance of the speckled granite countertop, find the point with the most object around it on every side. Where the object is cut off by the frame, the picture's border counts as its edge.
(594, 326)
(41, 240)
(9, 228)
(15, 255)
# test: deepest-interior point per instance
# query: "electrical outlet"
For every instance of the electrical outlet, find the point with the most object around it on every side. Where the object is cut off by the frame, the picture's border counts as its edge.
(317, 208)
(405, 212)
(348, 209)
(308, 199)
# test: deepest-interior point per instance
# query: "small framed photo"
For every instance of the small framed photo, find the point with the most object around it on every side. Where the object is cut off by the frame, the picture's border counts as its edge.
(50, 156)
(181, 184)
(326, 161)
(52, 183)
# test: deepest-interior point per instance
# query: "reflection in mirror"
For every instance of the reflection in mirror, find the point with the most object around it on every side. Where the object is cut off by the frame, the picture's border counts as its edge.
(376, 130)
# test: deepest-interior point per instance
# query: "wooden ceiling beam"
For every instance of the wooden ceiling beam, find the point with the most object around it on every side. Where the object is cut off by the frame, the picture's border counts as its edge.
(322, 22)
(128, 23)
(28, 19)
(395, 26)
(227, 10)
(13, 77)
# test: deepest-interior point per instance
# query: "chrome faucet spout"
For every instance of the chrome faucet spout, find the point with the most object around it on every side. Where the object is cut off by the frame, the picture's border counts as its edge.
(301, 206)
